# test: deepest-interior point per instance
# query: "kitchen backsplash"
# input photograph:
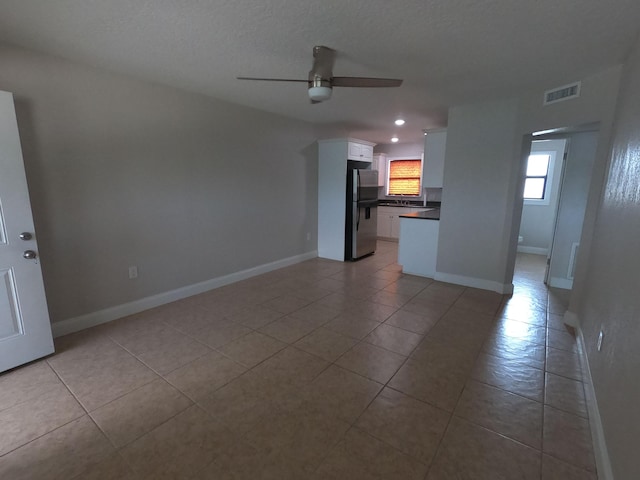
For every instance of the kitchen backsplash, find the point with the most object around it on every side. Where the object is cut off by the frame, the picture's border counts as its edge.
(432, 194)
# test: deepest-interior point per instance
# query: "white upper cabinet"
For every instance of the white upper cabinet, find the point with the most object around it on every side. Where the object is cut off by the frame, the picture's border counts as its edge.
(435, 143)
(360, 151)
(380, 163)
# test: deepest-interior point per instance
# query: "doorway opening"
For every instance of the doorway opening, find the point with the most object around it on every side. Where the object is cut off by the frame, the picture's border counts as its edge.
(542, 188)
(551, 221)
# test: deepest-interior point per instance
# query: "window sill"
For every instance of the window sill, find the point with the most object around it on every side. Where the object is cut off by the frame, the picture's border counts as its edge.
(539, 203)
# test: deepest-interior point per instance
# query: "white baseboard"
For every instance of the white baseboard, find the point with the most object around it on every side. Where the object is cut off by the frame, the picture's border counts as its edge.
(558, 282)
(89, 320)
(503, 288)
(534, 250)
(389, 239)
(600, 451)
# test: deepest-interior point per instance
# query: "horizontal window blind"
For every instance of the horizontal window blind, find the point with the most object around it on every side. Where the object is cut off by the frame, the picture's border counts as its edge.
(404, 177)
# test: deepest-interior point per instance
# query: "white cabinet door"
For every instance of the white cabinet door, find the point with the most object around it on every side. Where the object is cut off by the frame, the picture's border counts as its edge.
(433, 165)
(384, 222)
(395, 225)
(366, 152)
(354, 151)
(25, 331)
(389, 220)
(380, 161)
(360, 152)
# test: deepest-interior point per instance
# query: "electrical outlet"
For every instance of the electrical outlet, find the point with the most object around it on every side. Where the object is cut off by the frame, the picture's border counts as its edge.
(133, 272)
(600, 339)
(308, 236)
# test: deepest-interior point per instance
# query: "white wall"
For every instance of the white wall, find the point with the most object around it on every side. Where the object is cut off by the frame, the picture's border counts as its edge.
(610, 299)
(538, 217)
(412, 150)
(123, 172)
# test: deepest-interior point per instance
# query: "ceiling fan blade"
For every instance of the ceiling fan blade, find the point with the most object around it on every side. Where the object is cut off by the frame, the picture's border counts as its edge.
(365, 82)
(272, 79)
(323, 60)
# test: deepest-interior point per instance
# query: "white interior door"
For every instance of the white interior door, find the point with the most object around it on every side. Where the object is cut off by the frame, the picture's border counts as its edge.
(25, 330)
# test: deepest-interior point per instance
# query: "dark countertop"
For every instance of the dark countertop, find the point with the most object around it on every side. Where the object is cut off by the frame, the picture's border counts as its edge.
(387, 203)
(430, 214)
(397, 205)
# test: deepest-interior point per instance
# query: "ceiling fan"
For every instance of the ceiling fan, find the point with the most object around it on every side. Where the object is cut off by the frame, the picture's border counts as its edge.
(321, 80)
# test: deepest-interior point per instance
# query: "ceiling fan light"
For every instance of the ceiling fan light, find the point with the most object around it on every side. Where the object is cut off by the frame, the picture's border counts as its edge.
(320, 94)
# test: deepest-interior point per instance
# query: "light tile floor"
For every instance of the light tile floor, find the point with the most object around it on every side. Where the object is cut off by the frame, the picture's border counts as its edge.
(322, 370)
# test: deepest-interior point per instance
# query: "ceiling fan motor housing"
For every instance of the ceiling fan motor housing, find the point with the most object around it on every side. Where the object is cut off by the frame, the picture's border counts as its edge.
(320, 94)
(319, 89)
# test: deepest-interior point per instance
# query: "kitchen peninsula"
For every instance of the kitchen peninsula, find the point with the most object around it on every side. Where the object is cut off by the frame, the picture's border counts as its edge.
(418, 243)
(418, 239)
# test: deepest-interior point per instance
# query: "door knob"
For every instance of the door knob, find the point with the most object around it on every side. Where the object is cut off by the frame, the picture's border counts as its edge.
(29, 254)
(25, 236)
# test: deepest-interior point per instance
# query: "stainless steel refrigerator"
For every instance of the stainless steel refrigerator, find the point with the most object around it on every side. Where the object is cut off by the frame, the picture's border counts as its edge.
(362, 213)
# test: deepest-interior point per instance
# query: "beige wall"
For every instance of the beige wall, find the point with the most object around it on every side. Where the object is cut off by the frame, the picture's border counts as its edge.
(611, 299)
(123, 172)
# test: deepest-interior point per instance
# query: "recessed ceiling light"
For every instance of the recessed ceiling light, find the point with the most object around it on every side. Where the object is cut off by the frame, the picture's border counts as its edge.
(394, 139)
(399, 122)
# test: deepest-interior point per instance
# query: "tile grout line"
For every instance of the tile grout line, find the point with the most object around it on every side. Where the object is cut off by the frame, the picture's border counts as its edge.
(386, 385)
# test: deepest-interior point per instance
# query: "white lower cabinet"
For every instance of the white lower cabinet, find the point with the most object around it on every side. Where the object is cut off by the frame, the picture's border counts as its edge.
(395, 226)
(384, 222)
(389, 220)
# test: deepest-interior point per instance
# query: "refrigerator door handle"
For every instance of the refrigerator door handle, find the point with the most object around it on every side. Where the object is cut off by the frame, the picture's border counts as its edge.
(358, 220)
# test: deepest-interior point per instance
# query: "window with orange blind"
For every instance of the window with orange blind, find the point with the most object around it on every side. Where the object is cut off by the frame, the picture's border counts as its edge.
(404, 177)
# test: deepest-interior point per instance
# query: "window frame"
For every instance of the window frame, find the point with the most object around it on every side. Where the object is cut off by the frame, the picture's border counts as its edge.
(388, 175)
(548, 178)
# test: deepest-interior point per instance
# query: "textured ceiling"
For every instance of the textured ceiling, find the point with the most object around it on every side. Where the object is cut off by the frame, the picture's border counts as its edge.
(447, 51)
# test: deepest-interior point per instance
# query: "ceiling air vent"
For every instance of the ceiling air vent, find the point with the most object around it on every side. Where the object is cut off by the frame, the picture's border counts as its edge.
(560, 94)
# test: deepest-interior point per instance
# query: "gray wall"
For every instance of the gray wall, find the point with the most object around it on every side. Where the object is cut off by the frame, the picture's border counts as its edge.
(573, 202)
(123, 172)
(478, 168)
(487, 145)
(611, 286)
(605, 289)
(597, 103)
(536, 226)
